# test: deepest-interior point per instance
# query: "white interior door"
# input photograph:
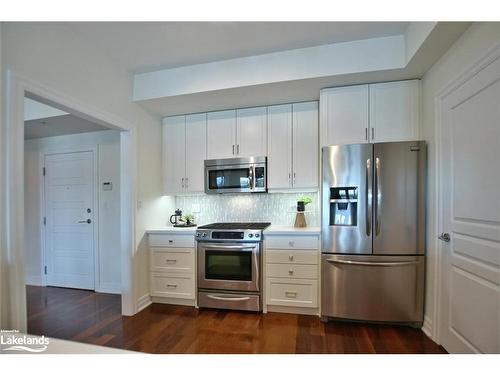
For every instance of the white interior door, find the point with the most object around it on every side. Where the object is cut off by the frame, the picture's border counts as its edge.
(470, 196)
(70, 213)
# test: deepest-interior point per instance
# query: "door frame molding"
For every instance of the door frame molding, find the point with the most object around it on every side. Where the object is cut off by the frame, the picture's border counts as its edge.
(13, 194)
(95, 200)
(487, 58)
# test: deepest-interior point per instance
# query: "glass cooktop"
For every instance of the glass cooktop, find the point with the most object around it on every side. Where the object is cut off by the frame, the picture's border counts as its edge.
(236, 226)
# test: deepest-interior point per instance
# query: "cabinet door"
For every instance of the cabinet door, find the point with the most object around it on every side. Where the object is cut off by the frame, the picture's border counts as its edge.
(305, 145)
(279, 146)
(196, 151)
(221, 134)
(344, 115)
(251, 132)
(174, 154)
(394, 111)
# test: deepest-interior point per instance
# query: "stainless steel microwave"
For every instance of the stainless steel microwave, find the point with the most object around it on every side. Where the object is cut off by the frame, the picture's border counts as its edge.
(236, 175)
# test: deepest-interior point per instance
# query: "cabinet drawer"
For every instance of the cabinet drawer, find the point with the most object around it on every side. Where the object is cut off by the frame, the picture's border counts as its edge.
(292, 292)
(299, 271)
(172, 261)
(292, 256)
(171, 240)
(292, 242)
(173, 286)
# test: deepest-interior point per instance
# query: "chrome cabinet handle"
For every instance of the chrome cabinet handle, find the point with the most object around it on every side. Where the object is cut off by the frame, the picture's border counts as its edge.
(290, 257)
(171, 285)
(290, 294)
(228, 298)
(366, 133)
(238, 149)
(445, 237)
(378, 196)
(290, 271)
(250, 177)
(171, 260)
(186, 184)
(373, 134)
(88, 221)
(294, 178)
(182, 182)
(291, 243)
(381, 264)
(233, 149)
(368, 198)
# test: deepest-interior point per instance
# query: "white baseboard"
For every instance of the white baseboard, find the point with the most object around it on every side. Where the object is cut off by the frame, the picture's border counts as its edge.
(174, 301)
(427, 327)
(143, 302)
(112, 288)
(33, 280)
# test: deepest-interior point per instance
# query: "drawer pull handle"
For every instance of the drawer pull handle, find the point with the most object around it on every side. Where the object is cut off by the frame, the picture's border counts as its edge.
(290, 257)
(290, 271)
(171, 285)
(291, 243)
(170, 241)
(291, 294)
(171, 260)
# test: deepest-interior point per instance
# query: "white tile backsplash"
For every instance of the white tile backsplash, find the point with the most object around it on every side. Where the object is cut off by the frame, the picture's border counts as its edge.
(277, 208)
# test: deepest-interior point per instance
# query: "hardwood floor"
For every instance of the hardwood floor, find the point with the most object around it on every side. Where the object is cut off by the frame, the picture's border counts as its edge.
(95, 318)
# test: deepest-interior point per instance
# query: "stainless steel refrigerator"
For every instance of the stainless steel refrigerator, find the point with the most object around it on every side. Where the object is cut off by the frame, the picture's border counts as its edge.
(373, 232)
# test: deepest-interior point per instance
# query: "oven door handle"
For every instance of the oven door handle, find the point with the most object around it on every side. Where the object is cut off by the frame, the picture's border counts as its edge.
(228, 247)
(228, 298)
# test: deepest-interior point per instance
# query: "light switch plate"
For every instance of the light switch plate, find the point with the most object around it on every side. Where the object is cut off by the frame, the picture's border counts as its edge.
(195, 208)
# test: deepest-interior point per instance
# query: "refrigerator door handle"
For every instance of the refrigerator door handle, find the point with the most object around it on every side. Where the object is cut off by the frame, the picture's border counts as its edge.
(381, 264)
(368, 197)
(378, 196)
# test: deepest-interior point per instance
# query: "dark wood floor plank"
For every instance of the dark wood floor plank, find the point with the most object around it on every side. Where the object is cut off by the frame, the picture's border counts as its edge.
(95, 318)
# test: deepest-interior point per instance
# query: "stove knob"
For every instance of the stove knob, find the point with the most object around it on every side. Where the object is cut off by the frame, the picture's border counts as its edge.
(257, 235)
(250, 235)
(198, 234)
(204, 234)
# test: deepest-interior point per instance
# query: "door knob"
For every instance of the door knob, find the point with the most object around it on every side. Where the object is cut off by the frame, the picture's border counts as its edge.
(445, 237)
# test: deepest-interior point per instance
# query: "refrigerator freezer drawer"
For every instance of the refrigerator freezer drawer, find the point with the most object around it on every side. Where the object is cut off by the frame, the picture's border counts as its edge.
(373, 288)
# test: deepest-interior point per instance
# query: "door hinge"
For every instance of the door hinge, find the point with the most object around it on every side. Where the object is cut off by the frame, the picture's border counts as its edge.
(44, 220)
(45, 270)
(43, 171)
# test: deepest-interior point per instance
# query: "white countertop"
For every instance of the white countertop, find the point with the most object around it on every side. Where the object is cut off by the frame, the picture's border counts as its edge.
(172, 230)
(272, 230)
(283, 229)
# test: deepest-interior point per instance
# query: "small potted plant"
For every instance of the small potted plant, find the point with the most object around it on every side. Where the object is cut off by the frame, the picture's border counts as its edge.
(302, 202)
(188, 219)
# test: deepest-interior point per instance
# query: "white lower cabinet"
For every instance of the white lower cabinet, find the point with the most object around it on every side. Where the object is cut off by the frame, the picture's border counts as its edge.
(292, 273)
(172, 268)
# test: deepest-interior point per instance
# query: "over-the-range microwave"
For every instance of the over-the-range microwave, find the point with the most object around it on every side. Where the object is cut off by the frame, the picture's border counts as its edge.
(236, 175)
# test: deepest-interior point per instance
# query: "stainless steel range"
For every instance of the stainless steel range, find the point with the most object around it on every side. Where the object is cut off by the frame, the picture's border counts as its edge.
(230, 265)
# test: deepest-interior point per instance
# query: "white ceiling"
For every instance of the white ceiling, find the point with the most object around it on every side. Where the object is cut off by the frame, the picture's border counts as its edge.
(59, 125)
(147, 46)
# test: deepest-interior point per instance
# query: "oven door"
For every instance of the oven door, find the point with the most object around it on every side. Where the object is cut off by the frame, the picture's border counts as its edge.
(225, 266)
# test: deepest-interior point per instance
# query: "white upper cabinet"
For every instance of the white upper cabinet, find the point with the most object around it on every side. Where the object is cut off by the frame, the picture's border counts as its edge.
(293, 146)
(344, 115)
(382, 112)
(251, 126)
(174, 157)
(305, 145)
(394, 111)
(196, 152)
(221, 134)
(184, 151)
(279, 146)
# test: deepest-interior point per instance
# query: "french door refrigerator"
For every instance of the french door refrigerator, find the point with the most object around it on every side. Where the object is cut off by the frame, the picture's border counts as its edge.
(373, 232)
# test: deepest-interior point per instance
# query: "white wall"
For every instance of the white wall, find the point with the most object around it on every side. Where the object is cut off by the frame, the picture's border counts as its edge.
(34, 110)
(108, 156)
(465, 51)
(56, 57)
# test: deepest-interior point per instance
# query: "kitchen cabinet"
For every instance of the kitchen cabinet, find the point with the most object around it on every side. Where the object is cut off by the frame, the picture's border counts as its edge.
(291, 273)
(381, 112)
(293, 152)
(221, 134)
(237, 133)
(172, 268)
(394, 111)
(184, 151)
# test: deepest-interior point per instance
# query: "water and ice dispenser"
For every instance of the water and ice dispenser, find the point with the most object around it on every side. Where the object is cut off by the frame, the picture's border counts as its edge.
(344, 206)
